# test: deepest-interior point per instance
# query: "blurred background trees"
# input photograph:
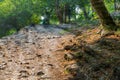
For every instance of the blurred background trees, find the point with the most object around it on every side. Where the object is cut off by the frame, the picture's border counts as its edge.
(16, 14)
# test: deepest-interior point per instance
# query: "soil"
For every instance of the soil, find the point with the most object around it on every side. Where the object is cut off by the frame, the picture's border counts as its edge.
(53, 52)
(34, 53)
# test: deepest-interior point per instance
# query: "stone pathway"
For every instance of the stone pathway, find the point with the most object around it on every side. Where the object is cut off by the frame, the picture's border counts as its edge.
(31, 54)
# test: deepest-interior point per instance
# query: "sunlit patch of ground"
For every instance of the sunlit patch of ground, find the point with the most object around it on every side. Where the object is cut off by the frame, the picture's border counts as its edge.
(43, 53)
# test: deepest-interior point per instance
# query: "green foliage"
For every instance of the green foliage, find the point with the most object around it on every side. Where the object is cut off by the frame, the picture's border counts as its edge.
(110, 5)
(35, 19)
(20, 13)
(118, 31)
(63, 31)
(11, 31)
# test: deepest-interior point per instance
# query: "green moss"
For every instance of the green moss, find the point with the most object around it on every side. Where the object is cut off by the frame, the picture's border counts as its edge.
(11, 31)
(63, 31)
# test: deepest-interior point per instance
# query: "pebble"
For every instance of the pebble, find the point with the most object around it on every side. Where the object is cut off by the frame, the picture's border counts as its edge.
(23, 74)
(40, 73)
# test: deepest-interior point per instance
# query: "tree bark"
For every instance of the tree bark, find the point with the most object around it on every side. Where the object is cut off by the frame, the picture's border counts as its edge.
(85, 13)
(105, 18)
(67, 13)
(59, 12)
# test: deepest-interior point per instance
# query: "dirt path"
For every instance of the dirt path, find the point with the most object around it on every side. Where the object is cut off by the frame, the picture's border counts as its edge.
(32, 55)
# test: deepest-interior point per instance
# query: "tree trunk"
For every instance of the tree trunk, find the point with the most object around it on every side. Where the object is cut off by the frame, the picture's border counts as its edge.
(59, 12)
(85, 13)
(105, 18)
(60, 15)
(115, 6)
(67, 13)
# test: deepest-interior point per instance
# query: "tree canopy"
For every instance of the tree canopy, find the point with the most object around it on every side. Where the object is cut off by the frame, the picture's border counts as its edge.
(15, 14)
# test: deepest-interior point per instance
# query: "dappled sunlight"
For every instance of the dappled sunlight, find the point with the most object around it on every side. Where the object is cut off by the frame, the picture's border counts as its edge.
(94, 55)
(59, 40)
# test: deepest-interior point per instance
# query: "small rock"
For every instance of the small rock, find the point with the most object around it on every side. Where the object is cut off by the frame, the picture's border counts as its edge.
(39, 55)
(2, 54)
(72, 69)
(18, 43)
(50, 64)
(3, 65)
(24, 74)
(68, 47)
(40, 73)
(69, 56)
